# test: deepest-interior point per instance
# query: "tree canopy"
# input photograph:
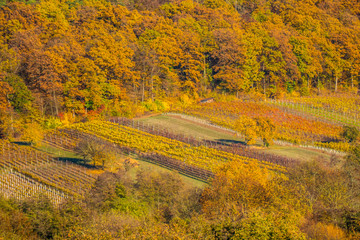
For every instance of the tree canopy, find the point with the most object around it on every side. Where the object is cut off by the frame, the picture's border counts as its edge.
(80, 56)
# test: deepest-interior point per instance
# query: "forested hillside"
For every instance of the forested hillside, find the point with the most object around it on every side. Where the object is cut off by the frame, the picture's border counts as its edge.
(258, 136)
(76, 56)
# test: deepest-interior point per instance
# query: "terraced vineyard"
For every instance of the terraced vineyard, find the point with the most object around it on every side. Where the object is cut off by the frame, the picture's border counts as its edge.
(347, 105)
(16, 185)
(340, 110)
(68, 138)
(227, 146)
(291, 127)
(26, 171)
(27, 168)
(197, 156)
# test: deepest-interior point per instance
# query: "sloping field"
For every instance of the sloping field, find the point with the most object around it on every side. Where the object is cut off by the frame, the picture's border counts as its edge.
(197, 156)
(24, 167)
(289, 127)
(190, 128)
(337, 110)
(197, 130)
(61, 143)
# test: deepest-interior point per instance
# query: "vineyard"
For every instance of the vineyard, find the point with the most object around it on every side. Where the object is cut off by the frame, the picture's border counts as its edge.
(26, 171)
(291, 126)
(198, 156)
(342, 110)
(347, 105)
(24, 168)
(69, 138)
(19, 186)
(235, 148)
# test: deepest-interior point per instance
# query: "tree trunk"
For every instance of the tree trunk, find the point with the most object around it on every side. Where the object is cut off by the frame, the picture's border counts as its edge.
(55, 103)
(11, 115)
(336, 82)
(12, 124)
(136, 92)
(264, 87)
(264, 80)
(152, 88)
(143, 84)
(42, 107)
(143, 91)
(152, 82)
(204, 74)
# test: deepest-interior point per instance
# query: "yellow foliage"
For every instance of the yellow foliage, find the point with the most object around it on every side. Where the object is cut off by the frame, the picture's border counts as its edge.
(33, 133)
(53, 12)
(239, 186)
(266, 129)
(185, 100)
(127, 109)
(68, 119)
(201, 156)
(130, 163)
(187, 5)
(322, 231)
(5, 124)
(340, 146)
(247, 126)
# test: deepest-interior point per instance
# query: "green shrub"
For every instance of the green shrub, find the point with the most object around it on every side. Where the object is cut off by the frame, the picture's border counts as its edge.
(52, 123)
(350, 133)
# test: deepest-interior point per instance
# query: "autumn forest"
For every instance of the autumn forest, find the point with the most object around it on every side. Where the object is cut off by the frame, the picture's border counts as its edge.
(79, 56)
(180, 119)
